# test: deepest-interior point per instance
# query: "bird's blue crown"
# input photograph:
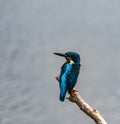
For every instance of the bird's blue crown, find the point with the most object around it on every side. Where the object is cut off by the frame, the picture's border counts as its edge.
(75, 56)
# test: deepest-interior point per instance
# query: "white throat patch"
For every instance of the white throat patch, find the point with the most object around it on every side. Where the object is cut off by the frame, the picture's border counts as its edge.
(72, 62)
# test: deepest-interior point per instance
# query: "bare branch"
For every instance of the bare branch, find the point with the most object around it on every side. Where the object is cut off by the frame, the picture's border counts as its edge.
(91, 112)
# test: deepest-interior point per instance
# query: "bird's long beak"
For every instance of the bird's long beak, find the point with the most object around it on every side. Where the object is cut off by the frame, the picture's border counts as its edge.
(60, 54)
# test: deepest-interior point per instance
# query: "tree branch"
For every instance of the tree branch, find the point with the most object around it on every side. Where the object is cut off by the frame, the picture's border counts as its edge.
(91, 112)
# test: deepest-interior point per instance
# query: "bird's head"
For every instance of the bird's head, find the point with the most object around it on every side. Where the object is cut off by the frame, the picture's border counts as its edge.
(72, 57)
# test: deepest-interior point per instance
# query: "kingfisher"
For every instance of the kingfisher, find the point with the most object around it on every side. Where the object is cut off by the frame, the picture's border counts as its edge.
(69, 73)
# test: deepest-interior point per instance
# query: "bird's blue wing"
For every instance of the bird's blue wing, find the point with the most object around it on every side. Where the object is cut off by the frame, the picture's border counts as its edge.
(68, 78)
(65, 70)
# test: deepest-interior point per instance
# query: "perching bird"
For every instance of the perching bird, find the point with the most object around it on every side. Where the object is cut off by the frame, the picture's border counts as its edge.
(69, 73)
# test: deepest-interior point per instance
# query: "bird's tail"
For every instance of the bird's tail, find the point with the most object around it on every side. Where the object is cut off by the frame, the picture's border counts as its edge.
(62, 96)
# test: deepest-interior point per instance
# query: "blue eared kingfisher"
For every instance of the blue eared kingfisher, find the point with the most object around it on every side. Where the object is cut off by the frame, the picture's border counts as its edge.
(69, 73)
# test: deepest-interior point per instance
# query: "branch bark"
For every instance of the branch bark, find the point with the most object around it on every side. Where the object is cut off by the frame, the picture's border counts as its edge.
(87, 109)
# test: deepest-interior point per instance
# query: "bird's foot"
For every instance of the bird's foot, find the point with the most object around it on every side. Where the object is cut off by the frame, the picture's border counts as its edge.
(74, 90)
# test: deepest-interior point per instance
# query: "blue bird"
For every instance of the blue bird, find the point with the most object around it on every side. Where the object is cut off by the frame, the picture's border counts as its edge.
(69, 73)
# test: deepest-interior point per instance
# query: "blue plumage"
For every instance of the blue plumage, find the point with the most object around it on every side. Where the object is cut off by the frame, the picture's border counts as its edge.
(69, 73)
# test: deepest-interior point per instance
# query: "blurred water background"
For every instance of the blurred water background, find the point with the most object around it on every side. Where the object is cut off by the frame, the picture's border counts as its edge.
(30, 31)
